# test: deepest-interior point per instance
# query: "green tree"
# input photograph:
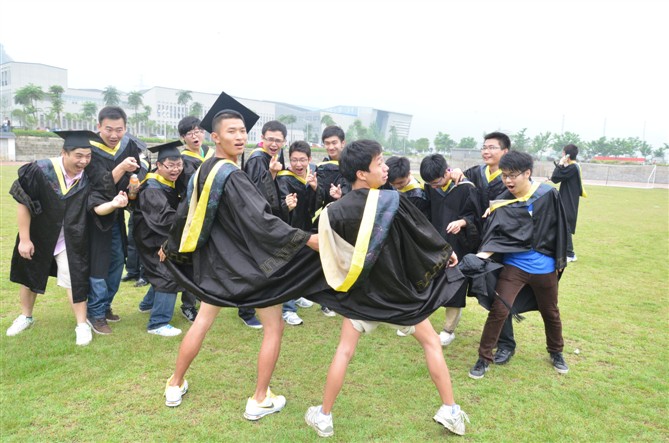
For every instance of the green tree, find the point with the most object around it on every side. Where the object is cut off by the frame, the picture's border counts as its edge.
(28, 96)
(57, 103)
(394, 142)
(540, 142)
(645, 149)
(562, 140)
(135, 100)
(443, 142)
(520, 141)
(422, 144)
(593, 148)
(196, 110)
(111, 96)
(308, 131)
(288, 120)
(89, 111)
(375, 133)
(327, 120)
(467, 143)
(184, 97)
(356, 131)
(659, 152)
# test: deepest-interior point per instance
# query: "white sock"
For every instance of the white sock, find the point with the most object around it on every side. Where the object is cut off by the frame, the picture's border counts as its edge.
(320, 411)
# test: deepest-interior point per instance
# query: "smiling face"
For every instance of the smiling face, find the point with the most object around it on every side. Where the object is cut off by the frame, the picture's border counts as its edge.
(272, 141)
(492, 152)
(333, 146)
(111, 131)
(299, 163)
(76, 160)
(170, 168)
(230, 137)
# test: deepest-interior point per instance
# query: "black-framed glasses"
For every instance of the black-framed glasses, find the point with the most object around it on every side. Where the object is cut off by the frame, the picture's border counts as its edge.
(194, 132)
(512, 176)
(490, 148)
(278, 141)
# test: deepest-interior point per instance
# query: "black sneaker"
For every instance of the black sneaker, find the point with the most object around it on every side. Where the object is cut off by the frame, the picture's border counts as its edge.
(558, 362)
(189, 312)
(502, 356)
(479, 369)
(141, 282)
(110, 316)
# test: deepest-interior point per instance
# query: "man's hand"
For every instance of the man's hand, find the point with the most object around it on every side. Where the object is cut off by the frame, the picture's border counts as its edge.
(335, 191)
(313, 242)
(486, 213)
(274, 166)
(456, 175)
(455, 226)
(26, 249)
(291, 201)
(129, 164)
(120, 201)
(453, 260)
(312, 180)
(161, 254)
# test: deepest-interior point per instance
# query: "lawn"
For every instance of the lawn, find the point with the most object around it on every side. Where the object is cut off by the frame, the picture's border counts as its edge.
(614, 304)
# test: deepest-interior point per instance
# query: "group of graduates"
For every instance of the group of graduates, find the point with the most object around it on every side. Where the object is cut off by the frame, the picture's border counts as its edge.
(356, 233)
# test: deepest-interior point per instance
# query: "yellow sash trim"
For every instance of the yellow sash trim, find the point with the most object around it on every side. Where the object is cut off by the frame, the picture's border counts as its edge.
(261, 150)
(210, 153)
(445, 187)
(188, 153)
(198, 207)
(61, 179)
(329, 162)
(158, 178)
(357, 260)
(102, 146)
(286, 172)
(499, 203)
(413, 184)
(492, 176)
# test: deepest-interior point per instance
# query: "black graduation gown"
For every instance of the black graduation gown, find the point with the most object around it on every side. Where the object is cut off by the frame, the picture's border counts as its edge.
(328, 174)
(512, 228)
(38, 188)
(300, 217)
(251, 258)
(488, 191)
(257, 168)
(571, 189)
(419, 199)
(103, 189)
(411, 251)
(192, 162)
(153, 218)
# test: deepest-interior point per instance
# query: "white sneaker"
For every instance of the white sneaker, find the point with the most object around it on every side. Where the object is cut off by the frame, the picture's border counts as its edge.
(328, 312)
(446, 337)
(452, 418)
(19, 325)
(320, 422)
(292, 318)
(571, 259)
(165, 331)
(303, 303)
(406, 331)
(271, 404)
(84, 334)
(173, 394)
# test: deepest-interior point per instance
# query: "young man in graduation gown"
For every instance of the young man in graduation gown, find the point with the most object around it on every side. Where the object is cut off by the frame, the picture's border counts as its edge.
(114, 160)
(488, 181)
(241, 255)
(53, 209)
(567, 173)
(331, 184)
(262, 167)
(401, 179)
(456, 214)
(153, 217)
(387, 264)
(528, 226)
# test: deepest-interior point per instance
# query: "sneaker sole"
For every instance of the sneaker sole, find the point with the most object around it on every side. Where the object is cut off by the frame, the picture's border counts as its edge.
(561, 371)
(174, 404)
(447, 425)
(95, 330)
(258, 417)
(250, 326)
(477, 377)
(21, 331)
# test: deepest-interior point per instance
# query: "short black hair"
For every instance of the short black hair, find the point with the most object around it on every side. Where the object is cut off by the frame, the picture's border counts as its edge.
(187, 124)
(274, 125)
(112, 113)
(433, 167)
(357, 156)
(300, 146)
(224, 115)
(398, 167)
(571, 151)
(333, 131)
(502, 138)
(517, 161)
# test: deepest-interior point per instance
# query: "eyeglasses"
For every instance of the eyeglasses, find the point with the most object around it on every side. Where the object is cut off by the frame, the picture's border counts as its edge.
(172, 167)
(194, 132)
(512, 176)
(490, 148)
(302, 161)
(270, 140)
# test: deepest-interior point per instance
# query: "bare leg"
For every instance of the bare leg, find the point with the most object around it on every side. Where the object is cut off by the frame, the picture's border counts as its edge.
(192, 342)
(27, 300)
(272, 324)
(434, 358)
(348, 341)
(78, 308)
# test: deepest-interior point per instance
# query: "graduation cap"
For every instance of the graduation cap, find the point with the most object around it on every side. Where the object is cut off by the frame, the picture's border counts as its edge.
(78, 139)
(225, 102)
(165, 150)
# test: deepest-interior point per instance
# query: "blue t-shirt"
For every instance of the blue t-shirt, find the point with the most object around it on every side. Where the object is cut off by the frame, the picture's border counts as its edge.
(531, 261)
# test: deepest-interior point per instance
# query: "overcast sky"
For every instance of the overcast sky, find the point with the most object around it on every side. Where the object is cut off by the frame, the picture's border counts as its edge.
(460, 67)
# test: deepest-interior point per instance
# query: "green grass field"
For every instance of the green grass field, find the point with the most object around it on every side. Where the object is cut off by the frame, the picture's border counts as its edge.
(614, 308)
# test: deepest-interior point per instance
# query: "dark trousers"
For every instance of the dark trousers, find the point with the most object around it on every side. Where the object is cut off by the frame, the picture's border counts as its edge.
(188, 300)
(510, 282)
(570, 245)
(133, 266)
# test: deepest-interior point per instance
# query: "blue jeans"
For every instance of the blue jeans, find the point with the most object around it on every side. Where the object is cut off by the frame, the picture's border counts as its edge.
(102, 291)
(248, 313)
(162, 307)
